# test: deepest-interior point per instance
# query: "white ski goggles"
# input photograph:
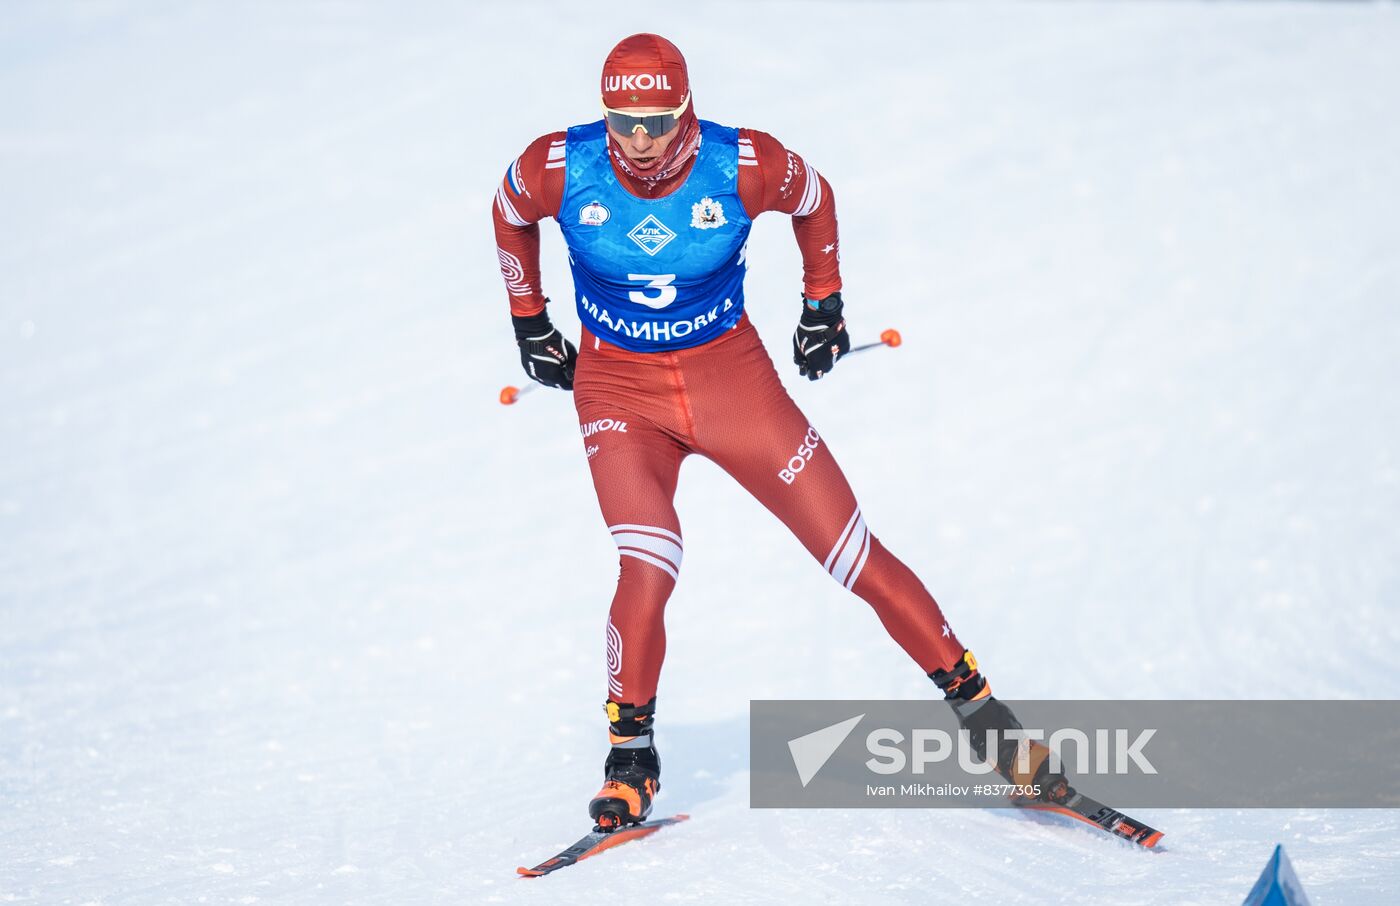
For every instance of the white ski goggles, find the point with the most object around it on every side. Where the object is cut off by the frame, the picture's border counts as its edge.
(653, 124)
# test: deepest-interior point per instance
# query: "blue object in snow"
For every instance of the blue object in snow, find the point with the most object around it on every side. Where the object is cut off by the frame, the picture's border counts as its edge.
(1278, 885)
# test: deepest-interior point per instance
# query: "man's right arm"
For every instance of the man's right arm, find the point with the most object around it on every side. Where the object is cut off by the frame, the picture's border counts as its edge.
(530, 191)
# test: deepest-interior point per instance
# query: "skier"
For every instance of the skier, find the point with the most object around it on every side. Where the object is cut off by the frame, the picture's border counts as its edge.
(655, 206)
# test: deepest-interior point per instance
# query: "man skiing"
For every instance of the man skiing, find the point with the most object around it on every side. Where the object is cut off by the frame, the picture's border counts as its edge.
(655, 206)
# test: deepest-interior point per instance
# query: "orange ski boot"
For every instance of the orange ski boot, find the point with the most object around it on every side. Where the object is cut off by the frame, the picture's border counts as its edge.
(967, 690)
(632, 772)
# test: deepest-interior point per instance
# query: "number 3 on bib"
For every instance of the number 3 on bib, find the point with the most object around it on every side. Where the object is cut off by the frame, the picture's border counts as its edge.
(666, 293)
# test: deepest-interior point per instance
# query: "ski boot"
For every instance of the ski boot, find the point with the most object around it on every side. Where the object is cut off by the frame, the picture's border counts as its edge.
(632, 771)
(967, 690)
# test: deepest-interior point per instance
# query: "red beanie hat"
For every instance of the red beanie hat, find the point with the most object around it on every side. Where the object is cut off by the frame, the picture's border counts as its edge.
(645, 71)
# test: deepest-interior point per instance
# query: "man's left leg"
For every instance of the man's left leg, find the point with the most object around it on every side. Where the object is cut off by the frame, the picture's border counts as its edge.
(770, 448)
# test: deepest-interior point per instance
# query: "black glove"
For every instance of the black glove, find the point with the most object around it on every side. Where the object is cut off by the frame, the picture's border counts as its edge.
(547, 357)
(820, 339)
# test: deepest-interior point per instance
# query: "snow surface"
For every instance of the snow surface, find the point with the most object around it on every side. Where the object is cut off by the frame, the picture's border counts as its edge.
(291, 610)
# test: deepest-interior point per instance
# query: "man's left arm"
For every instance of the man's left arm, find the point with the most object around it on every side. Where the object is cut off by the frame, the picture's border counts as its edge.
(772, 178)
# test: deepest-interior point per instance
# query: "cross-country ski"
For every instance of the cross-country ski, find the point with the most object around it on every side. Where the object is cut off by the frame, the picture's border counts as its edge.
(595, 842)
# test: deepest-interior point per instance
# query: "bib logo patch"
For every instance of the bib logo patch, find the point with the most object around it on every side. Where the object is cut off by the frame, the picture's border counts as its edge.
(651, 235)
(707, 214)
(593, 214)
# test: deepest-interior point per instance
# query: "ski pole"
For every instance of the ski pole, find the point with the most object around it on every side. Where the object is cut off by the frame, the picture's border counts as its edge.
(888, 337)
(510, 394)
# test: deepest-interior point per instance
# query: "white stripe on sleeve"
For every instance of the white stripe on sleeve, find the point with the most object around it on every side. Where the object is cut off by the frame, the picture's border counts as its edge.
(811, 193)
(507, 209)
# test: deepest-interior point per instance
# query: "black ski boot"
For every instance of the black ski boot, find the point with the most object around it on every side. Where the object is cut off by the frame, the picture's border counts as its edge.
(632, 772)
(967, 690)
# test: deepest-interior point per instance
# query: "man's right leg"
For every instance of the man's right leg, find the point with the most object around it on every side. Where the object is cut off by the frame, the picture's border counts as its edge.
(635, 465)
(634, 473)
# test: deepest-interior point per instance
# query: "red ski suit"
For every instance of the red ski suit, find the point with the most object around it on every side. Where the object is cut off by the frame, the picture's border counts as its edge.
(641, 414)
